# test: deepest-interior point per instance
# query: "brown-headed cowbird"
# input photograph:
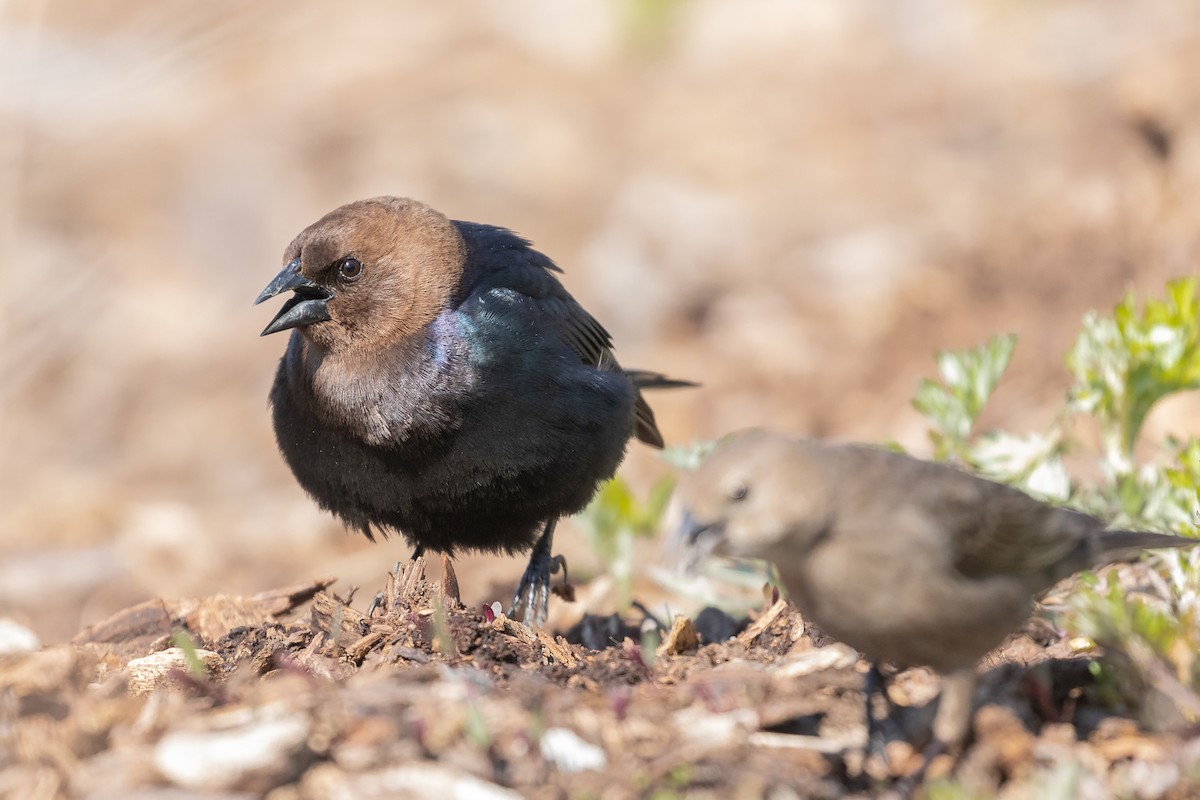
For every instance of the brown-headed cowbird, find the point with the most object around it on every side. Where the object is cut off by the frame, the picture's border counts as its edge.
(441, 382)
(908, 561)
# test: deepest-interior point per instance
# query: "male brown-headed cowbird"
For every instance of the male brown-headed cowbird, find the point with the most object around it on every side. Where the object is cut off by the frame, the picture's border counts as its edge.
(440, 382)
(908, 561)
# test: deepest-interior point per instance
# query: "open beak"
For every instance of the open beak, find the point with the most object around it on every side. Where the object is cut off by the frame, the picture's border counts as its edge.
(693, 541)
(694, 532)
(309, 304)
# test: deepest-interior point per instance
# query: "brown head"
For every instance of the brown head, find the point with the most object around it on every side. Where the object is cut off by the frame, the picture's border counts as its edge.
(368, 274)
(759, 495)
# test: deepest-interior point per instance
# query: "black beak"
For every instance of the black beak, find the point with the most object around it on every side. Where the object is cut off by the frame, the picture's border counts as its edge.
(309, 304)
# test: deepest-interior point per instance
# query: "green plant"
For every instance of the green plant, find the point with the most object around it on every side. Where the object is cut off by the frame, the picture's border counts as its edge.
(476, 728)
(950, 789)
(440, 625)
(1031, 461)
(1122, 366)
(615, 520)
(968, 379)
(649, 25)
(184, 641)
(1126, 363)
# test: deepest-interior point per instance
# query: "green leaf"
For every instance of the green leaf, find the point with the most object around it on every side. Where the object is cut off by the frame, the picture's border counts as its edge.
(183, 640)
(1031, 462)
(1126, 363)
(615, 518)
(968, 379)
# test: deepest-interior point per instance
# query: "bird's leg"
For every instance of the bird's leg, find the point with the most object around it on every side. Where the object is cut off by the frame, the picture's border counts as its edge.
(531, 603)
(878, 726)
(953, 720)
(950, 725)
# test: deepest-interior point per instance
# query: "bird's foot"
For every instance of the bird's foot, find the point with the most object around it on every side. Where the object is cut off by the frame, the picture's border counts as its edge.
(881, 727)
(531, 604)
(887, 753)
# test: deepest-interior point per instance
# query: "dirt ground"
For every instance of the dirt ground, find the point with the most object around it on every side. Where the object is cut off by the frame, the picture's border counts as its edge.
(297, 694)
(794, 204)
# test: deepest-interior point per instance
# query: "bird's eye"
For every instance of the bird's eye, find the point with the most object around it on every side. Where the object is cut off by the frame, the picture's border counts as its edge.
(350, 268)
(739, 492)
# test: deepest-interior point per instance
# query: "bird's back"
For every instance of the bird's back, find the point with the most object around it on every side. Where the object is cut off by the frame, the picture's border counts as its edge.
(933, 566)
(988, 529)
(501, 261)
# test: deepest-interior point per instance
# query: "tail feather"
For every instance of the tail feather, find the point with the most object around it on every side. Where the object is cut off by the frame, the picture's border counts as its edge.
(644, 379)
(645, 428)
(1128, 545)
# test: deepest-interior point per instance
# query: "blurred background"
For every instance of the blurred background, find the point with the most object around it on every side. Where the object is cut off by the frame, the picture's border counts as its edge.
(794, 202)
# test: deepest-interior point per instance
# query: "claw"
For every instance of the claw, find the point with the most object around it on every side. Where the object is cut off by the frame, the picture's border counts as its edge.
(377, 602)
(531, 604)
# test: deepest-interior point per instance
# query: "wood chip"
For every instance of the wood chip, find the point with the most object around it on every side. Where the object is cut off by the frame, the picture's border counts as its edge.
(816, 659)
(53, 669)
(210, 618)
(1002, 730)
(1142, 748)
(760, 625)
(449, 585)
(148, 673)
(335, 617)
(147, 620)
(682, 638)
(358, 650)
(554, 649)
(790, 741)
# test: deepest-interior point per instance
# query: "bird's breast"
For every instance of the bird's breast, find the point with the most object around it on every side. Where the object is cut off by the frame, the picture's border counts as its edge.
(391, 398)
(909, 611)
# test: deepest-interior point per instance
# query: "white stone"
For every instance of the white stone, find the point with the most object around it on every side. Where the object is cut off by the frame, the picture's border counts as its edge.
(16, 638)
(237, 746)
(570, 753)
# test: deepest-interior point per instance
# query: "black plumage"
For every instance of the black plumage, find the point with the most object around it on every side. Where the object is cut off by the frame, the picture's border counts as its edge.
(441, 382)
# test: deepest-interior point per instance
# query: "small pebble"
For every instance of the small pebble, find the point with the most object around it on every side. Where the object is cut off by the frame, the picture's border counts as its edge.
(16, 638)
(570, 753)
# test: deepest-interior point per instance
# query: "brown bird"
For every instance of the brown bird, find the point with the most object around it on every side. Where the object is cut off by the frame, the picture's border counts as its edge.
(440, 382)
(908, 561)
